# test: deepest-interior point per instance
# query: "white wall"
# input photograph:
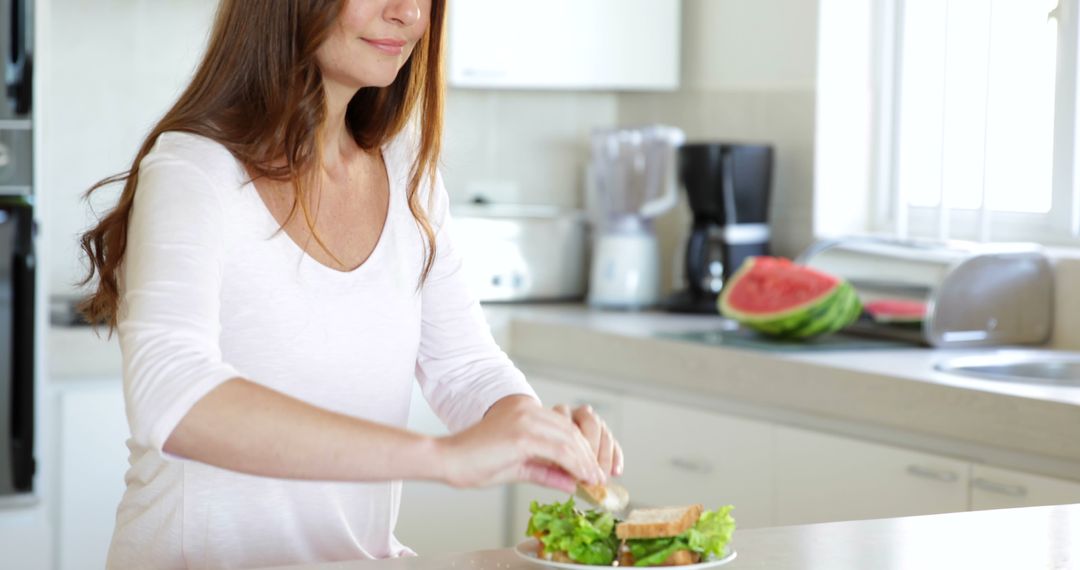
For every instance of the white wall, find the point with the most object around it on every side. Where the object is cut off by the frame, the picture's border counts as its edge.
(109, 70)
(521, 146)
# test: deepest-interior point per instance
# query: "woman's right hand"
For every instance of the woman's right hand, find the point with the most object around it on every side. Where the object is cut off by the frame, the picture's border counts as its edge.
(519, 440)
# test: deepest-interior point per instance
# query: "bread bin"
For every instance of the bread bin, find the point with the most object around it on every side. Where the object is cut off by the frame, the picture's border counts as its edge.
(972, 294)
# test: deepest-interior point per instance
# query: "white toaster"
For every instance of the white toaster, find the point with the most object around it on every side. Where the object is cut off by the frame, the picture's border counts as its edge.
(522, 252)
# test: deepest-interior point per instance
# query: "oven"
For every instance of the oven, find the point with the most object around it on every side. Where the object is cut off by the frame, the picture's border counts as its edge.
(17, 256)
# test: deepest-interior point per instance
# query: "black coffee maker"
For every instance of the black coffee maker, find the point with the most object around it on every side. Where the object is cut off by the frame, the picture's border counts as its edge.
(728, 187)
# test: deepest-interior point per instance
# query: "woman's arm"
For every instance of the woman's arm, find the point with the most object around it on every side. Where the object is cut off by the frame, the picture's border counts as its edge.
(245, 427)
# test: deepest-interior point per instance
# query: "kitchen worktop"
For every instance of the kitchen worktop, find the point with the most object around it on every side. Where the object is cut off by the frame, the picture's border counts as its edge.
(892, 395)
(1032, 537)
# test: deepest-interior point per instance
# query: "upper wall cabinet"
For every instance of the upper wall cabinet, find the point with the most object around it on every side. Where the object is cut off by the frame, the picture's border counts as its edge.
(627, 45)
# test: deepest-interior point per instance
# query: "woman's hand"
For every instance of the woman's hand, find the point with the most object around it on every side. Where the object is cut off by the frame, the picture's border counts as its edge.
(607, 451)
(520, 440)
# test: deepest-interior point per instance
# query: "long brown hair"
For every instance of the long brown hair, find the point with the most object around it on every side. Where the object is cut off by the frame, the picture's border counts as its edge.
(236, 98)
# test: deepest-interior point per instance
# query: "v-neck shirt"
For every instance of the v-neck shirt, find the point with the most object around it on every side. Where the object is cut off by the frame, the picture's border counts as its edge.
(211, 290)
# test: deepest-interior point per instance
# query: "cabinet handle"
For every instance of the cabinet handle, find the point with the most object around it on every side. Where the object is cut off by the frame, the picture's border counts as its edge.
(931, 473)
(999, 488)
(694, 465)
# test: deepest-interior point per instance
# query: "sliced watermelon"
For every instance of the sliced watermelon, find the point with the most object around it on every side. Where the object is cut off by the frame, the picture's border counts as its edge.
(896, 310)
(776, 297)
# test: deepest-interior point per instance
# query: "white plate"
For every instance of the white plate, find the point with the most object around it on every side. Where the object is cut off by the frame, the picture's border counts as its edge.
(527, 550)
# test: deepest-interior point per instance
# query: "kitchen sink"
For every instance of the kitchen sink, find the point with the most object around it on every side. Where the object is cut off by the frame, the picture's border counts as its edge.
(1028, 369)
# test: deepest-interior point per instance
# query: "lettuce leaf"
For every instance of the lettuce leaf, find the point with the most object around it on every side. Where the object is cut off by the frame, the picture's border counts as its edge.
(708, 536)
(586, 537)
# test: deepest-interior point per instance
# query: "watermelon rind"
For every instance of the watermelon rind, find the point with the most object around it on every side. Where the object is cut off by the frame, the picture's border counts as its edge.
(825, 314)
(845, 310)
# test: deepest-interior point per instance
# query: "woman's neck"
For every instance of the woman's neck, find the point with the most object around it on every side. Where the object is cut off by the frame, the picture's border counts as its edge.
(337, 145)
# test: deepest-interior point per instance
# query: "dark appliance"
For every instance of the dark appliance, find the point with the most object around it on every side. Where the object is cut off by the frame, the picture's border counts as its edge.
(16, 346)
(728, 186)
(17, 261)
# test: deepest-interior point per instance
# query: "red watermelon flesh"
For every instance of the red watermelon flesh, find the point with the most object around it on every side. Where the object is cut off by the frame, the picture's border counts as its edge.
(896, 310)
(774, 286)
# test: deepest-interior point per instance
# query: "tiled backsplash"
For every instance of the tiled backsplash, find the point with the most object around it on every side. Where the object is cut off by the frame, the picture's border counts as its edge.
(784, 119)
(524, 147)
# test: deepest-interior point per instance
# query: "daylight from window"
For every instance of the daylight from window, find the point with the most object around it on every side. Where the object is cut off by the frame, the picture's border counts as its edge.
(976, 104)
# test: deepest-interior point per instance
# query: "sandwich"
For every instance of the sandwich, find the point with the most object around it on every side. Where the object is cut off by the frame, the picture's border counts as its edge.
(566, 534)
(671, 536)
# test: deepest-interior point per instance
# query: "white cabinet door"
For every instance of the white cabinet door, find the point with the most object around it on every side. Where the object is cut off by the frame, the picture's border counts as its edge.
(606, 404)
(996, 488)
(677, 455)
(435, 518)
(822, 477)
(93, 460)
(564, 44)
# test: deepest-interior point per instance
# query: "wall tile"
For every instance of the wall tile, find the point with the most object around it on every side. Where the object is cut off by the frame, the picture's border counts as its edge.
(784, 119)
(521, 146)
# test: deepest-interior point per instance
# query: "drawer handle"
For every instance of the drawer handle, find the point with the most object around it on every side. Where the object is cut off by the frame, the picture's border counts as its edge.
(693, 465)
(999, 488)
(931, 473)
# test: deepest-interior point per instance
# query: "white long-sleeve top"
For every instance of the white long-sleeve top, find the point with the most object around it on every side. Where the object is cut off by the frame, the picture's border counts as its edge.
(210, 292)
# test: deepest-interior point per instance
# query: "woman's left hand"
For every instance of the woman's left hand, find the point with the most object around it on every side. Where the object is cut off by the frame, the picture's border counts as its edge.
(608, 452)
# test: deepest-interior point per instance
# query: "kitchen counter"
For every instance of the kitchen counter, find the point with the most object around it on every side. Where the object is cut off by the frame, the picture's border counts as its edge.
(892, 394)
(1032, 537)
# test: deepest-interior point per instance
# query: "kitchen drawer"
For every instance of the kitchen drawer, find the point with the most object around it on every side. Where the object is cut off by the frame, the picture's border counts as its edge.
(996, 488)
(822, 478)
(678, 455)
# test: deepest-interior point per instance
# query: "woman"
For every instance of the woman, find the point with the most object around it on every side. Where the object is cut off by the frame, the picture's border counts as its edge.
(279, 269)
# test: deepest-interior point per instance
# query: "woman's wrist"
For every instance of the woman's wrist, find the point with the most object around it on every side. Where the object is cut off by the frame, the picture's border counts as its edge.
(426, 456)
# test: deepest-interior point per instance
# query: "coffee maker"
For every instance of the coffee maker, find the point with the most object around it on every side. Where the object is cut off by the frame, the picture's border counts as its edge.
(728, 187)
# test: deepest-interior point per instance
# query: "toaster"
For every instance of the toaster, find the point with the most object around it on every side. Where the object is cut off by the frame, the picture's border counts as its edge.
(944, 294)
(515, 252)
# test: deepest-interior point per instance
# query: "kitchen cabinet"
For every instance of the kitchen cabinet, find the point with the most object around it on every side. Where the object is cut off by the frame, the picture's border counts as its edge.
(93, 458)
(822, 477)
(566, 44)
(434, 518)
(996, 488)
(676, 455)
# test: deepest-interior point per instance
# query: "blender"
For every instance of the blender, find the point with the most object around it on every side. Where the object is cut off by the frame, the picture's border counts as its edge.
(631, 182)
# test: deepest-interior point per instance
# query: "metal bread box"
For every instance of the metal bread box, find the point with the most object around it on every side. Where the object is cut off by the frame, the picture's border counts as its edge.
(944, 294)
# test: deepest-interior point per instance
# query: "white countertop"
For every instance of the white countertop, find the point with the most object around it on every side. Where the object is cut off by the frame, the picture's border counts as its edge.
(889, 395)
(1033, 537)
(912, 363)
(893, 396)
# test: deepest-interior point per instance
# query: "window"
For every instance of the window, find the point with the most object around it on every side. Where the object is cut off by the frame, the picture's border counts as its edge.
(971, 125)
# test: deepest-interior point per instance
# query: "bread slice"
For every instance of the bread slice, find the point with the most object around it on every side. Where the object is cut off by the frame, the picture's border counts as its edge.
(658, 523)
(595, 492)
